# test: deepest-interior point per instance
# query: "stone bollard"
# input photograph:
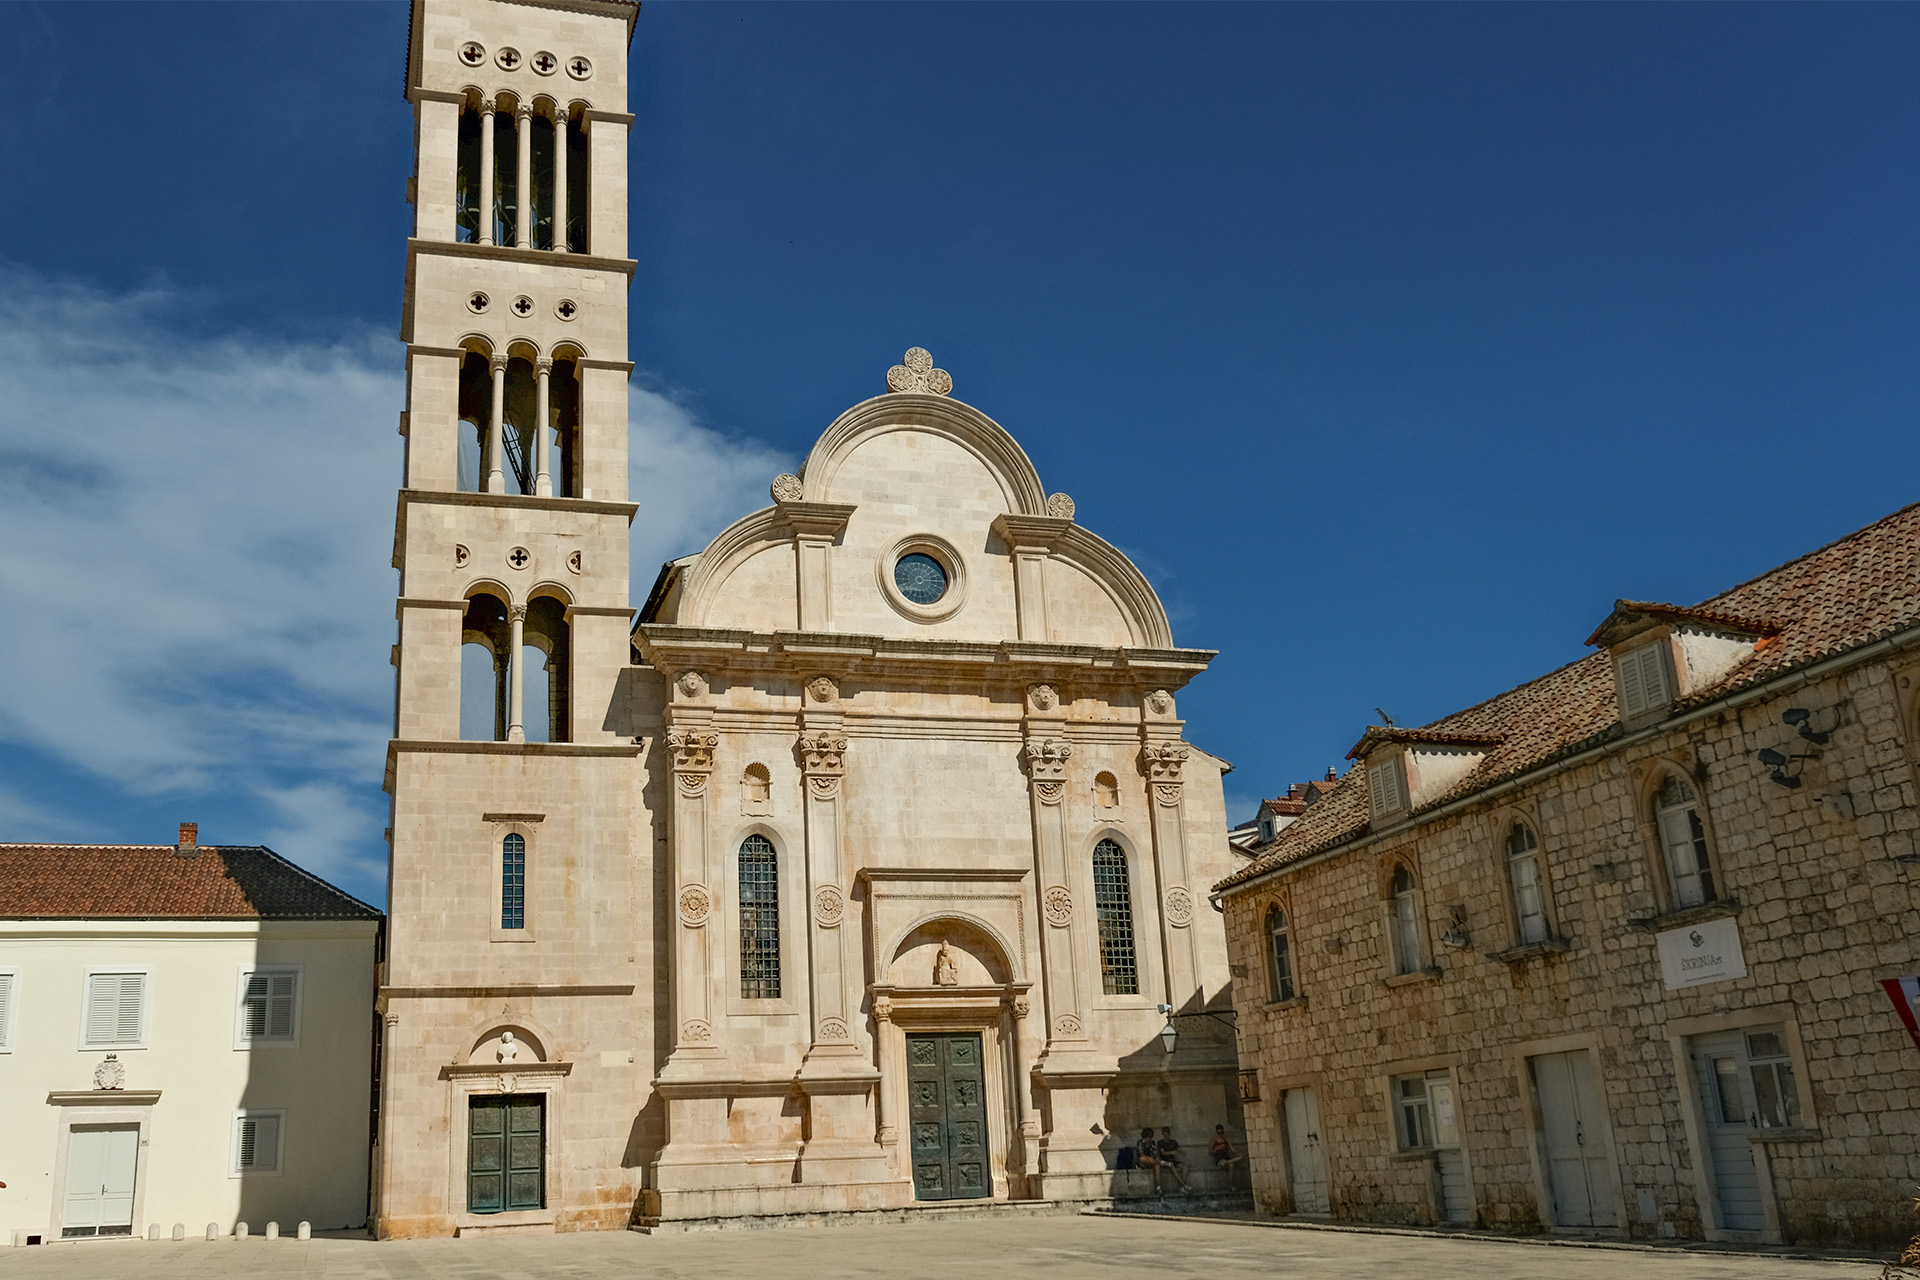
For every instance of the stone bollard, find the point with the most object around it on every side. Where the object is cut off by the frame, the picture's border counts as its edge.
(305, 1232)
(239, 1231)
(179, 1231)
(273, 1231)
(213, 1231)
(153, 1231)
(19, 1237)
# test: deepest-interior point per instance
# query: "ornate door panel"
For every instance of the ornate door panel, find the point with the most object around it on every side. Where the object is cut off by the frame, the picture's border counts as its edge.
(947, 1117)
(506, 1153)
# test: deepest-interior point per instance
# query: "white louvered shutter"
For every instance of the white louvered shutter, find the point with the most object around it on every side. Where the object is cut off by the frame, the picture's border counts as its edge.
(1383, 780)
(1643, 680)
(6, 1011)
(267, 1006)
(259, 1143)
(280, 992)
(113, 1008)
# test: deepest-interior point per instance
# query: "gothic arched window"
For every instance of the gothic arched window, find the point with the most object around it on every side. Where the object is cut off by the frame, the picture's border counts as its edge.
(513, 882)
(759, 919)
(1529, 891)
(1113, 909)
(1279, 954)
(1683, 838)
(1403, 923)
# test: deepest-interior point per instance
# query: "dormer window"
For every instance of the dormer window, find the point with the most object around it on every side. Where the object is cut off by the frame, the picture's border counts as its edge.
(1643, 682)
(1387, 785)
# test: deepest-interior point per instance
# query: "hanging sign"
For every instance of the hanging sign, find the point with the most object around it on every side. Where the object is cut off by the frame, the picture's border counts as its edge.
(1905, 994)
(1701, 953)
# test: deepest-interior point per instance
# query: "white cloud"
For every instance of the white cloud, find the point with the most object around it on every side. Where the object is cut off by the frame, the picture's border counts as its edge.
(194, 552)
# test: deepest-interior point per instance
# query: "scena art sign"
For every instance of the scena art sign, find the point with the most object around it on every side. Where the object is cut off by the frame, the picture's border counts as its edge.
(1701, 953)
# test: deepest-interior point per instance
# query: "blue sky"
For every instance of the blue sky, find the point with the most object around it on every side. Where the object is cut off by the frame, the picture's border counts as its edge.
(1393, 342)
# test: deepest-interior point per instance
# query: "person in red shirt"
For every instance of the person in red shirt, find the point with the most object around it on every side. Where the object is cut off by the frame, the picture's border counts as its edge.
(1224, 1154)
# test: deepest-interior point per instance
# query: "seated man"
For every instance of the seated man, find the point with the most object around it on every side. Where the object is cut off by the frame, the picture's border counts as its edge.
(1170, 1158)
(1221, 1148)
(1147, 1156)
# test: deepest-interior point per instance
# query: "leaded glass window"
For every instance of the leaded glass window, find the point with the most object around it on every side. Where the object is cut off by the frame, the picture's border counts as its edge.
(759, 919)
(513, 882)
(920, 577)
(1113, 908)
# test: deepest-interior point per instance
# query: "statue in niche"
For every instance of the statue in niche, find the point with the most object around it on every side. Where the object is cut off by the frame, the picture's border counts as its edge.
(945, 972)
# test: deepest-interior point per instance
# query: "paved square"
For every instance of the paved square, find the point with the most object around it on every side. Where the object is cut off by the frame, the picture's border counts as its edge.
(1062, 1247)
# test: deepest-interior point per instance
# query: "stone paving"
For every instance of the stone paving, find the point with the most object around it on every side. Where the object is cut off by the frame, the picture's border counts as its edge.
(1063, 1247)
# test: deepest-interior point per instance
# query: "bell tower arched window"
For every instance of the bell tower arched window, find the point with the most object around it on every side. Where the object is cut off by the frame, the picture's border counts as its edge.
(1113, 910)
(759, 919)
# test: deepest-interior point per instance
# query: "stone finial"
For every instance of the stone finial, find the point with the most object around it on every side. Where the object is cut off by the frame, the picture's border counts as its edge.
(916, 373)
(787, 488)
(1060, 507)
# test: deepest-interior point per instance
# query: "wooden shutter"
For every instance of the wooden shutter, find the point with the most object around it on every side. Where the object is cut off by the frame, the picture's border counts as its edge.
(259, 1144)
(113, 1008)
(267, 1007)
(1643, 680)
(6, 1011)
(1383, 780)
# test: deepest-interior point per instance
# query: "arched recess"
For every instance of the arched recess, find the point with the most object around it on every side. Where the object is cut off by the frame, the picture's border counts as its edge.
(547, 688)
(521, 419)
(466, 184)
(980, 956)
(476, 417)
(486, 640)
(506, 170)
(563, 419)
(579, 176)
(530, 1042)
(541, 170)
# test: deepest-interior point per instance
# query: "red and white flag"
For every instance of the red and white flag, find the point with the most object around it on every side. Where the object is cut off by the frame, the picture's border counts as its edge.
(1905, 994)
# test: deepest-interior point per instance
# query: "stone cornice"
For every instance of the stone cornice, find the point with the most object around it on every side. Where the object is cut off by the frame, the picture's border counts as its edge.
(524, 502)
(103, 1098)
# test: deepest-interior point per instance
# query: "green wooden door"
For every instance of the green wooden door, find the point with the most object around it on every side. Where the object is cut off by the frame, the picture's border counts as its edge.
(506, 1153)
(947, 1117)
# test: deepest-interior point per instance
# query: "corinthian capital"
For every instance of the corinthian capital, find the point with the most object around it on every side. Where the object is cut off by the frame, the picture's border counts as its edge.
(1162, 761)
(1047, 758)
(823, 752)
(692, 749)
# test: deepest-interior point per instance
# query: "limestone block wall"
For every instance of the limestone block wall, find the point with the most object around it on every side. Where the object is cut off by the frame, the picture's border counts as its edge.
(1825, 882)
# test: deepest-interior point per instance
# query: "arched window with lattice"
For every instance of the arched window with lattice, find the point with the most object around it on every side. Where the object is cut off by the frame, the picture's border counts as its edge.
(1113, 910)
(759, 919)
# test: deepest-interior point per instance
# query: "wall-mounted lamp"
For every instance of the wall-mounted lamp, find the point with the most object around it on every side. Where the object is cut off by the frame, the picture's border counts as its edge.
(1170, 1034)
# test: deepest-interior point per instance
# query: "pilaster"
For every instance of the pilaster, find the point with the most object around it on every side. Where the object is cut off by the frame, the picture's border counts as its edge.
(697, 998)
(1163, 758)
(1030, 540)
(815, 527)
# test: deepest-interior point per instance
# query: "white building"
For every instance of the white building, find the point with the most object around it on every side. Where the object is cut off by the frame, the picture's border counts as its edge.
(185, 1037)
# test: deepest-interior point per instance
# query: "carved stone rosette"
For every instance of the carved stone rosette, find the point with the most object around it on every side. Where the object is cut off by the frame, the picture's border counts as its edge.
(834, 1031)
(1057, 905)
(1179, 906)
(1067, 1027)
(696, 1032)
(695, 905)
(829, 907)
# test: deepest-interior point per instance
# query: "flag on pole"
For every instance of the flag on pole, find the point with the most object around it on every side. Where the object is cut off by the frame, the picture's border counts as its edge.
(1905, 994)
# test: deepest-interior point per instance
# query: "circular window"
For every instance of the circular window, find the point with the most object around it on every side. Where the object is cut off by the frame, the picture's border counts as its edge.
(923, 578)
(920, 577)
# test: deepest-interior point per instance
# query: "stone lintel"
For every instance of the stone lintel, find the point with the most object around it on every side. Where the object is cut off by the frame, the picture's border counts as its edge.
(103, 1098)
(815, 519)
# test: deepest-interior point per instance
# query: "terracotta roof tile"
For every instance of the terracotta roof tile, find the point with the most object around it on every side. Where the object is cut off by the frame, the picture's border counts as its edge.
(147, 881)
(1843, 596)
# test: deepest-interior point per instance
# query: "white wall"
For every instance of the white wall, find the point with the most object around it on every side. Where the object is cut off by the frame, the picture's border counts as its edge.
(190, 1056)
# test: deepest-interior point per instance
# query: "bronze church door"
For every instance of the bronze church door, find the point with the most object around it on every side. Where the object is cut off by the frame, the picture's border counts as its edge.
(947, 1116)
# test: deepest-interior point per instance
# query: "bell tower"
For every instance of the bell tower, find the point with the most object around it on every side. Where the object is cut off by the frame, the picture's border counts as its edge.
(512, 954)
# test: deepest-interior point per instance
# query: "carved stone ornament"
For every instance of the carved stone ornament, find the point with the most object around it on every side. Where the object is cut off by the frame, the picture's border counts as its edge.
(822, 752)
(1060, 506)
(786, 487)
(1050, 792)
(1057, 905)
(834, 1030)
(823, 689)
(1043, 697)
(1022, 1006)
(1179, 907)
(1047, 758)
(695, 1032)
(110, 1074)
(504, 1081)
(882, 1009)
(824, 786)
(1160, 702)
(694, 905)
(1066, 1026)
(829, 907)
(915, 372)
(692, 749)
(1167, 792)
(692, 684)
(461, 555)
(946, 971)
(1162, 761)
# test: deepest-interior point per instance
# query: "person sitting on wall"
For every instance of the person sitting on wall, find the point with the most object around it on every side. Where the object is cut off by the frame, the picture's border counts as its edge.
(1167, 1151)
(1221, 1148)
(1146, 1155)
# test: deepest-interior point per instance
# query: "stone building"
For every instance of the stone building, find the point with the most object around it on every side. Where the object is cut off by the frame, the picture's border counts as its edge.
(1605, 952)
(184, 1039)
(862, 869)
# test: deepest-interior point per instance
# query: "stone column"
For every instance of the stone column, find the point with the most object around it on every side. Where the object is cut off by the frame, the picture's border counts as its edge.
(496, 432)
(485, 228)
(560, 179)
(691, 738)
(1163, 757)
(516, 673)
(523, 194)
(543, 479)
(1046, 753)
(887, 1134)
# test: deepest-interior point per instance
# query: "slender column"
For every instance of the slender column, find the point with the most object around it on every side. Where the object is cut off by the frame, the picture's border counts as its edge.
(543, 479)
(496, 433)
(523, 194)
(516, 673)
(560, 179)
(487, 108)
(1162, 759)
(887, 1134)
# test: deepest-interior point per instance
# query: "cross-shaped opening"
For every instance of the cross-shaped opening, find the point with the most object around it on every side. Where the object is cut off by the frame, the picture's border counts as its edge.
(518, 557)
(543, 62)
(522, 306)
(580, 66)
(478, 301)
(509, 59)
(566, 310)
(471, 54)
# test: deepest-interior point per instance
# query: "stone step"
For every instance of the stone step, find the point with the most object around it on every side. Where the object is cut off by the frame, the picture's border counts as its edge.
(935, 1211)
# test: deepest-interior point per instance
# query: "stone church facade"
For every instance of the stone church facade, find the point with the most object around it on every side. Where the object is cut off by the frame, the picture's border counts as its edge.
(862, 867)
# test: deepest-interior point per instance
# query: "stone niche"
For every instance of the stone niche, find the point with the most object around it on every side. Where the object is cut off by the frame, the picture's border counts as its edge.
(977, 960)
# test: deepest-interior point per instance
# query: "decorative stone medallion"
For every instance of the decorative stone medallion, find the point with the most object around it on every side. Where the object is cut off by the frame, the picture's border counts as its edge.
(461, 555)
(695, 1032)
(566, 309)
(577, 562)
(1060, 506)
(110, 1074)
(519, 558)
(822, 689)
(694, 906)
(786, 487)
(833, 1029)
(508, 58)
(1160, 702)
(579, 68)
(473, 53)
(478, 301)
(692, 684)
(1057, 904)
(1044, 697)
(544, 63)
(523, 306)
(915, 372)
(1066, 1026)
(829, 908)
(1179, 907)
